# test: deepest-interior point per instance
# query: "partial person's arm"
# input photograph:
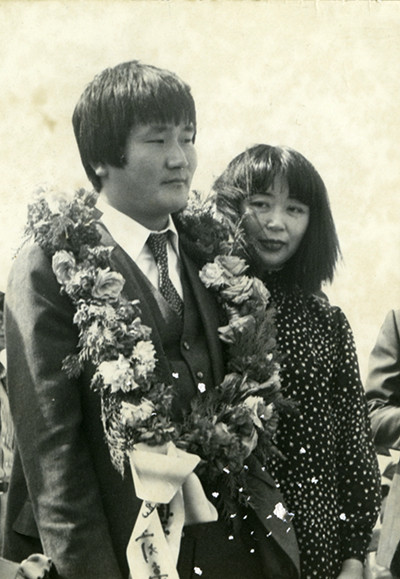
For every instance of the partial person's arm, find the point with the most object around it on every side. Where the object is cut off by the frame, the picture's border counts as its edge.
(351, 569)
(47, 413)
(383, 385)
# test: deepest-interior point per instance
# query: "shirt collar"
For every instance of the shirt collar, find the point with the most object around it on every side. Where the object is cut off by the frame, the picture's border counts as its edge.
(130, 234)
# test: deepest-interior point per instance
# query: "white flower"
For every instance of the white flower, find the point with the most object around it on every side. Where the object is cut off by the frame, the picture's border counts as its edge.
(106, 312)
(260, 292)
(255, 405)
(64, 266)
(212, 275)
(231, 264)
(108, 284)
(144, 356)
(55, 198)
(132, 414)
(118, 374)
(239, 289)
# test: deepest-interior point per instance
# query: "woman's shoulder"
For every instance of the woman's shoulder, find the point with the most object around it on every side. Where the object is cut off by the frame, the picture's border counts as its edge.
(321, 306)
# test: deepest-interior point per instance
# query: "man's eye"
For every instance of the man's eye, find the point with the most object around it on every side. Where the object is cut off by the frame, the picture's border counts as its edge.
(187, 140)
(155, 141)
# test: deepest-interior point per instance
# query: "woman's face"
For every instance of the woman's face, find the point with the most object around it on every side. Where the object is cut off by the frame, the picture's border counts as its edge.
(275, 224)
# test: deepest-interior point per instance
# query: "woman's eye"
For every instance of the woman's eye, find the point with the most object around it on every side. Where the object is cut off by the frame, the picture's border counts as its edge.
(156, 141)
(259, 205)
(296, 209)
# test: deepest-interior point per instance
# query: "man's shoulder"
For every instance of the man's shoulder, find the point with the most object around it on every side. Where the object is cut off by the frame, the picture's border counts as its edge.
(30, 260)
(32, 275)
(30, 254)
(393, 320)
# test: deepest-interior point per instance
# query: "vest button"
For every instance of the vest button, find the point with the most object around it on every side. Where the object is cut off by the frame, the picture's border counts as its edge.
(200, 375)
(186, 345)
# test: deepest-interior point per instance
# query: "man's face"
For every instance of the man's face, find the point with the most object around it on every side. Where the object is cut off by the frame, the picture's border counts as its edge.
(155, 182)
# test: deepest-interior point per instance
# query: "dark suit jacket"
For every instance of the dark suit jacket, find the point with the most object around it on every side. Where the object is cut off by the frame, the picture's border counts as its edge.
(383, 394)
(63, 482)
(383, 384)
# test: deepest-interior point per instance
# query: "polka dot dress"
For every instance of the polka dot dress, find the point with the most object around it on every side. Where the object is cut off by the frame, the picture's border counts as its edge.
(329, 477)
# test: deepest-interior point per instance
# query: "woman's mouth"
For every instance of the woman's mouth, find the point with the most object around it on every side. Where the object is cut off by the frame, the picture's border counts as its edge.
(271, 244)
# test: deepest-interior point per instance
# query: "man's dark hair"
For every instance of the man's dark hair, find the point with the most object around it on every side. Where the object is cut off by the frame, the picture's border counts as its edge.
(120, 98)
(251, 173)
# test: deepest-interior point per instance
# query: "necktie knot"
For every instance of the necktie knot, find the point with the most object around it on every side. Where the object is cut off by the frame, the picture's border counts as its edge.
(157, 243)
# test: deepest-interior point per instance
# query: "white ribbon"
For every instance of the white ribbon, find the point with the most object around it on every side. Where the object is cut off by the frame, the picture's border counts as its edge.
(164, 475)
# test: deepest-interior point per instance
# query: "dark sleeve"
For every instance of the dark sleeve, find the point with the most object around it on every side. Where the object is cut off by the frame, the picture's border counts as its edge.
(383, 385)
(47, 413)
(358, 472)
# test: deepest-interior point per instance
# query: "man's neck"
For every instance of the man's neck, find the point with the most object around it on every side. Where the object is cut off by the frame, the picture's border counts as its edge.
(150, 222)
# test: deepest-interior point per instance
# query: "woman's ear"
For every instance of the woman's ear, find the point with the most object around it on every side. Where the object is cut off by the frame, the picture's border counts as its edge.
(100, 169)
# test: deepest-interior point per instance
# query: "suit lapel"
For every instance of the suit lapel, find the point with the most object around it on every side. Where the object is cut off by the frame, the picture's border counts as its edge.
(209, 314)
(390, 531)
(137, 289)
(268, 504)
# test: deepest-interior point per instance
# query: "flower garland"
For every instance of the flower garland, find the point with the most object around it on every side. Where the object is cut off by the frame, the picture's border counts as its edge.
(226, 423)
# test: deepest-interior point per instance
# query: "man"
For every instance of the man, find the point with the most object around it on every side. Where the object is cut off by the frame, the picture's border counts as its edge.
(135, 127)
(383, 394)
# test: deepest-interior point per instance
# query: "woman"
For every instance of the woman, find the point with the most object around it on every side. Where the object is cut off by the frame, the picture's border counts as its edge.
(328, 475)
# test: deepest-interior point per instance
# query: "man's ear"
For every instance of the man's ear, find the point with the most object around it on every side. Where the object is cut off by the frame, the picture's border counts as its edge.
(100, 169)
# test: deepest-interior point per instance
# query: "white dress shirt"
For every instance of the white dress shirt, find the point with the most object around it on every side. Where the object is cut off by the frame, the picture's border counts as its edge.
(132, 237)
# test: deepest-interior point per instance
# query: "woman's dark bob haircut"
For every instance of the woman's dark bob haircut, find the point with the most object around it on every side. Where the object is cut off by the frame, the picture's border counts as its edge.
(120, 98)
(251, 173)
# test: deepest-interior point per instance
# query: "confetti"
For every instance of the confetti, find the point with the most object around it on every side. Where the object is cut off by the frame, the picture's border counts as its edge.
(280, 511)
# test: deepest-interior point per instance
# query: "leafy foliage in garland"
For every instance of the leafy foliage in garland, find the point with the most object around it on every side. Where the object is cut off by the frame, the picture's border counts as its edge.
(226, 423)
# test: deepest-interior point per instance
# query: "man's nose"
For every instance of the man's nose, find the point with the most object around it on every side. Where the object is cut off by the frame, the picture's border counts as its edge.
(176, 157)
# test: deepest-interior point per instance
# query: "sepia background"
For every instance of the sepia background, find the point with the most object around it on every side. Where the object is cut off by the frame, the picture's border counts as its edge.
(322, 77)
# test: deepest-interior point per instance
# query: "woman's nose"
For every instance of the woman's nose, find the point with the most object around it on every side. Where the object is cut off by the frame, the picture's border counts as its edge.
(274, 220)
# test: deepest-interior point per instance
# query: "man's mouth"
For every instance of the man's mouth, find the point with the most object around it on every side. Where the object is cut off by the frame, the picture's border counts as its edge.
(177, 180)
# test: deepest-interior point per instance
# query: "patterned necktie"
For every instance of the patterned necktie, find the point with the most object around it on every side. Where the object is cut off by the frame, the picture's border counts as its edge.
(157, 243)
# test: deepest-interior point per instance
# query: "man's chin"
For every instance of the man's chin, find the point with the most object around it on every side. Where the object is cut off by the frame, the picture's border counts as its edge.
(179, 204)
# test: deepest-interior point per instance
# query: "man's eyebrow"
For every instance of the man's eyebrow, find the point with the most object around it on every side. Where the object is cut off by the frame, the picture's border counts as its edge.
(158, 128)
(163, 127)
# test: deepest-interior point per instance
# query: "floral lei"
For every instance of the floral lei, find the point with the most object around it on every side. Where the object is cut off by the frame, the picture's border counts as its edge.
(226, 423)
